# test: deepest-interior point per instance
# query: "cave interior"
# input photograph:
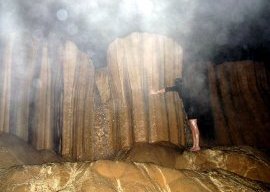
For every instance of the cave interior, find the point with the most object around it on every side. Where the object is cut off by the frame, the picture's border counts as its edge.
(75, 95)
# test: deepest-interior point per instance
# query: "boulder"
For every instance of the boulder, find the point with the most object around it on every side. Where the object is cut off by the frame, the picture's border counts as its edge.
(15, 151)
(244, 161)
(119, 176)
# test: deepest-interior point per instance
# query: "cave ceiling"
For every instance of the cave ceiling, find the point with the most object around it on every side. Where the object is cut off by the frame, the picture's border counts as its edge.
(203, 27)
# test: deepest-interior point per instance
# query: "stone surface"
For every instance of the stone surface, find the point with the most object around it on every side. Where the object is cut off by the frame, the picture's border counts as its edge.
(62, 103)
(138, 64)
(14, 151)
(239, 93)
(162, 153)
(170, 169)
(119, 176)
(244, 161)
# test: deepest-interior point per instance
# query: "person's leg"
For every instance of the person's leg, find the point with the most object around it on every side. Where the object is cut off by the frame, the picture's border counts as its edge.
(195, 134)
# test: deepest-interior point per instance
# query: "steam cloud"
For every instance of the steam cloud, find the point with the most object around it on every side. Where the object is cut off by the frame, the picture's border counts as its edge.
(92, 25)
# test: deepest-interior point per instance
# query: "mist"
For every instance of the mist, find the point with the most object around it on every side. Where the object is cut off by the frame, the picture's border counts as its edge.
(201, 27)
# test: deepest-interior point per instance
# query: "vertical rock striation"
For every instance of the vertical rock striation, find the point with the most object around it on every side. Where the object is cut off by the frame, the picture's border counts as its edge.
(78, 82)
(240, 101)
(52, 97)
(138, 64)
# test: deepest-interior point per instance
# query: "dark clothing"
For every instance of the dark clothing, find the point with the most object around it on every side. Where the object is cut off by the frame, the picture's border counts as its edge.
(189, 104)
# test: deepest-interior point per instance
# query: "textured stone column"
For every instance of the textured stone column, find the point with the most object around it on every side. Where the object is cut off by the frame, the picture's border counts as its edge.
(78, 81)
(140, 63)
(239, 92)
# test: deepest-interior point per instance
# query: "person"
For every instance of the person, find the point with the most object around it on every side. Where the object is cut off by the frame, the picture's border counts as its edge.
(189, 107)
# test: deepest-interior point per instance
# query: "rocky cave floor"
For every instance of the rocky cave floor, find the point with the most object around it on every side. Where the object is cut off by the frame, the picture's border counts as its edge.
(145, 167)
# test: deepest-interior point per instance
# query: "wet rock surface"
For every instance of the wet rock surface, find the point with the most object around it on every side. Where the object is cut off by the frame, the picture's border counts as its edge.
(244, 161)
(119, 176)
(162, 153)
(145, 167)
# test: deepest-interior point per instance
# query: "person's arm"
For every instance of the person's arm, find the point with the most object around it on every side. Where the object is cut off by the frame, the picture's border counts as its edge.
(163, 90)
(158, 91)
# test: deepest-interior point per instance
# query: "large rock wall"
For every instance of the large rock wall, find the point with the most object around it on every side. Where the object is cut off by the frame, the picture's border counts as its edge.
(240, 99)
(138, 64)
(105, 136)
(52, 97)
(47, 94)
(78, 83)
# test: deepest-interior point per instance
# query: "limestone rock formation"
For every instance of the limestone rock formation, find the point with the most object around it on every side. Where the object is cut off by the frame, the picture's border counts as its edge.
(161, 153)
(119, 176)
(104, 129)
(139, 63)
(14, 151)
(170, 169)
(52, 96)
(46, 91)
(239, 94)
(244, 161)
